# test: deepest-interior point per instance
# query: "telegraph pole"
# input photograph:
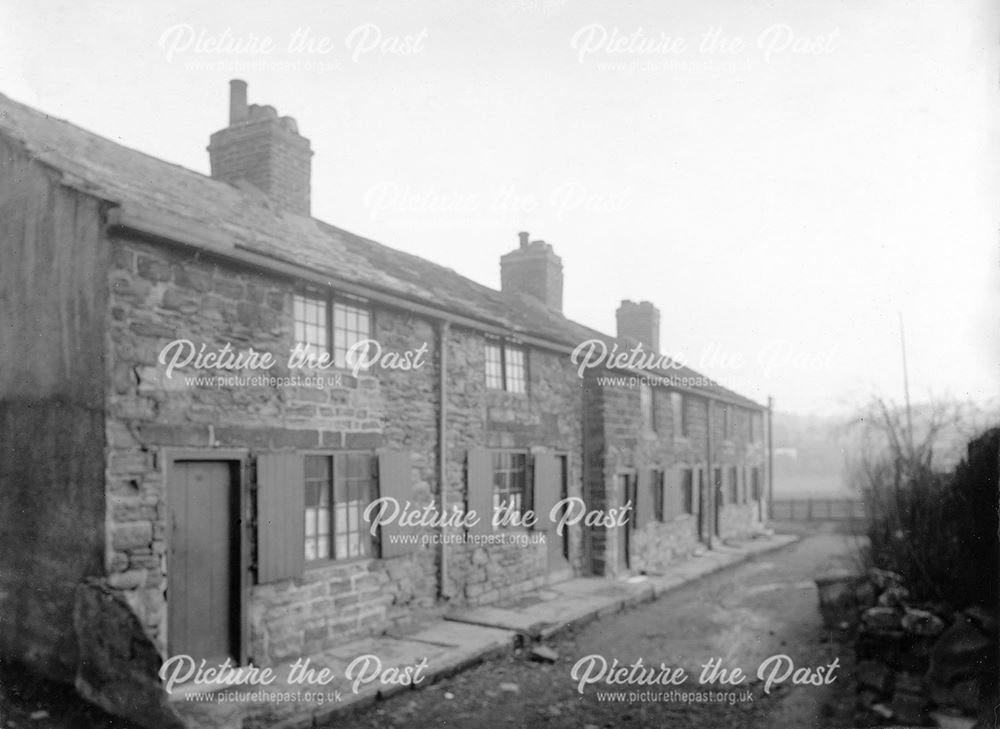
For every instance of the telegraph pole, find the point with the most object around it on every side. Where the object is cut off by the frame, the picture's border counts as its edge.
(770, 455)
(906, 389)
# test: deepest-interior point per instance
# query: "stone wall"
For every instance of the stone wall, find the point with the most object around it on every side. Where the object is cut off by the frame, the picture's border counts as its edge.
(616, 443)
(547, 416)
(915, 661)
(159, 295)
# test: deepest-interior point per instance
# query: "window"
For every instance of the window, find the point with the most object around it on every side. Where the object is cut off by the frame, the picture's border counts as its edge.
(717, 480)
(734, 485)
(319, 491)
(514, 368)
(755, 427)
(506, 366)
(677, 411)
(310, 317)
(727, 422)
(755, 483)
(509, 480)
(494, 366)
(646, 408)
(351, 324)
(687, 490)
(330, 327)
(744, 492)
(338, 489)
(657, 480)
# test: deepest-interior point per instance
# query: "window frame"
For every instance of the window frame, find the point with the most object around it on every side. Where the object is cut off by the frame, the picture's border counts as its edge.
(647, 408)
(727, 422)
(527, 496)
(680, 419)
(504, 346)
(372, 544)
(330, 302)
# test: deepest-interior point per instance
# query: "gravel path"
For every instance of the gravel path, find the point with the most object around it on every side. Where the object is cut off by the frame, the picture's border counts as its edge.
(742, 615)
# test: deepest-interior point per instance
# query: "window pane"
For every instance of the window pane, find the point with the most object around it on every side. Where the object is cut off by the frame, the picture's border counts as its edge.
(318, 482)
(494, 366)
(515, 370)
(351, 324)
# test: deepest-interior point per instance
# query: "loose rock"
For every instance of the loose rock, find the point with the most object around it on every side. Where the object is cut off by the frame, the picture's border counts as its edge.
(543, 654)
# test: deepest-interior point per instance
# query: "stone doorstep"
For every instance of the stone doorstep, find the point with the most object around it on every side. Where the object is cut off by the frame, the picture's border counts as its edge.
(462, 639)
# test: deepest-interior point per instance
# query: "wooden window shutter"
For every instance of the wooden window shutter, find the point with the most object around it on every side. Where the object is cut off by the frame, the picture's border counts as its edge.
(281, 507)
(479, 488)
(546, 488)
(395, 480)
(666, 486)
(643, 506)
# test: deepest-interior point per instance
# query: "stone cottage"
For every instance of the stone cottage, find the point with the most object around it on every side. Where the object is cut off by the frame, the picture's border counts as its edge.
(207, 395)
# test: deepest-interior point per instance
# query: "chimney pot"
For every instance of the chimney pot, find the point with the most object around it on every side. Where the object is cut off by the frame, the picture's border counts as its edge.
(237, 101)
(523, 235)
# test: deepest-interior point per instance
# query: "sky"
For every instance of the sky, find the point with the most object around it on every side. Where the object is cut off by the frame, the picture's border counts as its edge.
(784, 179)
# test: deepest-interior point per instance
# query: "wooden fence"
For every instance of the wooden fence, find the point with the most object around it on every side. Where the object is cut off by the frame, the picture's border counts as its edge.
(808, 509)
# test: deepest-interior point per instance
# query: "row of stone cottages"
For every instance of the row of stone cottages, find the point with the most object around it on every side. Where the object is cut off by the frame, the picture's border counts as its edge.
(227, 514)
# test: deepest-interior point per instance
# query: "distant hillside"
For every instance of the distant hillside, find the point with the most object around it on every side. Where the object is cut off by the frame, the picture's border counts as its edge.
(812, 452)
(808, 456)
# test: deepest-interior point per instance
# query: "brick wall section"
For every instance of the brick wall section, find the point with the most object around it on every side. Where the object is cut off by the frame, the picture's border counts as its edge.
(158, 295)
(548, 416)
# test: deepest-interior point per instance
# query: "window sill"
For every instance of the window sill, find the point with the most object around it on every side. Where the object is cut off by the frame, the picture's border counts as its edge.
(320, 564)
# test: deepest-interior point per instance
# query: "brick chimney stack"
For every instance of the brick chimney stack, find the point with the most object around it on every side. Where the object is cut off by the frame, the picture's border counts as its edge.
(639, 323)
(533, 268)
(265, 150)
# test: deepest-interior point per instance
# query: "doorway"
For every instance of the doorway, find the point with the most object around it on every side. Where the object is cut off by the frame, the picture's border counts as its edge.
(204, 576)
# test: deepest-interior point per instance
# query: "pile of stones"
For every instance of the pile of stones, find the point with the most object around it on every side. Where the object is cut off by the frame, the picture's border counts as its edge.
(917, 663)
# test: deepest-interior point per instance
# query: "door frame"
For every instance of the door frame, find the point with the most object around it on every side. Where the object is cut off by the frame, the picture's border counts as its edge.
(631, 484)
(239, 461)
(700, 486)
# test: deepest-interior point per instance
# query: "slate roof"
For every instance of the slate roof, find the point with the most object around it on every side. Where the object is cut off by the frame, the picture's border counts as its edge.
(243, 218)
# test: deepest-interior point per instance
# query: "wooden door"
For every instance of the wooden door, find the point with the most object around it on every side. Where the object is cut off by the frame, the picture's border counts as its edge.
(203, 562)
